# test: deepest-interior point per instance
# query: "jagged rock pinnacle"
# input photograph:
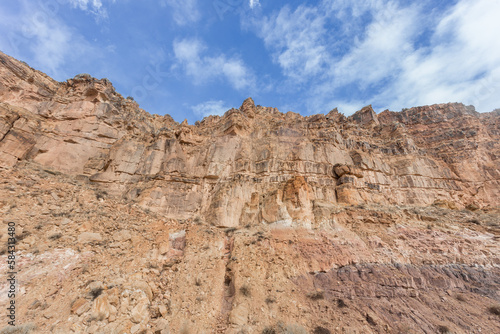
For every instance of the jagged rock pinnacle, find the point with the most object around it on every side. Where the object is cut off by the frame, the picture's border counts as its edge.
(248, 107)
(128, 222)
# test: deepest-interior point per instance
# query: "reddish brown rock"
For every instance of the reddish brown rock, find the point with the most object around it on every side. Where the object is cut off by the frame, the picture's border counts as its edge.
(83, 127)
(254, 220)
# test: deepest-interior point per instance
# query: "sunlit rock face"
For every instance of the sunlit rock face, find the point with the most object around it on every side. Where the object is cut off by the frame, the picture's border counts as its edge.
(249, 221)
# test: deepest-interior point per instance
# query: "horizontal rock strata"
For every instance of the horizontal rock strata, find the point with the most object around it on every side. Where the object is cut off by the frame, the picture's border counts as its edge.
(256, 221)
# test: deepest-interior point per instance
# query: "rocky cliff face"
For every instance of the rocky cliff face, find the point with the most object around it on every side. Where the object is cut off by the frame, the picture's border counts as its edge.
(253, 221)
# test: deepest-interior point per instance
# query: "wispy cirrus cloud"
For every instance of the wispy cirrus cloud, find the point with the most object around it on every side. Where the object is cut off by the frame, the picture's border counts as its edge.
(462, 62)
(194, 58)
(212, 107)
(386, 52)
(183, 11)
(94, 7)
(295, 39)
(306, 56)
(44, 39)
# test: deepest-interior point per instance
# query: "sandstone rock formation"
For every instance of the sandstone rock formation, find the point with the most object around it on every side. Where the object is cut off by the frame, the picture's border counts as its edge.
(250, 222)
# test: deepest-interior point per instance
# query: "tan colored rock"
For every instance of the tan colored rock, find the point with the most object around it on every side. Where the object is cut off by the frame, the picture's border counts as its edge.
(80, 306)
(251, 220)
(239, 315)
(366, 116)
(135, 328)
(122, 235)
(140, 313)
(87, 237)
(163, 310)
(164, 248)
(162, 324)
(101, 308)
(88, 136)
(144, 287)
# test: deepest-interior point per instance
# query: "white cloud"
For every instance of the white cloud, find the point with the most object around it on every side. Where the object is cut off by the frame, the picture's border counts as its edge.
(375, 47)
(254, 3)
(295, 41)
(388, 40)
(210, 108)
(462, 64)
(41, 38)
(191, 55)
(87, 4)
(94, 7)
(183, 11)
(236, 72)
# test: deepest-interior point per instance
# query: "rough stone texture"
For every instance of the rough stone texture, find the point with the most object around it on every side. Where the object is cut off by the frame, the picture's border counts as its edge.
(83, 127)
(131, 222)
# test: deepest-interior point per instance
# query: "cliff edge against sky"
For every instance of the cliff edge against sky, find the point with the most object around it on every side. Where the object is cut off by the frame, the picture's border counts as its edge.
(252, 221)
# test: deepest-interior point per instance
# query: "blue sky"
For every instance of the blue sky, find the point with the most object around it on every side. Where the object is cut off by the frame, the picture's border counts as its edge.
(191, 58)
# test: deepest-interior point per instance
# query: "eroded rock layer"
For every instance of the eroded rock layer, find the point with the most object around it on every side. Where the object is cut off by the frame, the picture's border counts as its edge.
(253, 222)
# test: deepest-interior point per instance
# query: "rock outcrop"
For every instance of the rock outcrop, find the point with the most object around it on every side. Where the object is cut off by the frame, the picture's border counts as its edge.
(251, 221)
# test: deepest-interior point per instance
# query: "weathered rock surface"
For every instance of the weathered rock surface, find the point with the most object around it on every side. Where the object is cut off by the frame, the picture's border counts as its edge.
(443, 152)
(133, 223)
